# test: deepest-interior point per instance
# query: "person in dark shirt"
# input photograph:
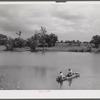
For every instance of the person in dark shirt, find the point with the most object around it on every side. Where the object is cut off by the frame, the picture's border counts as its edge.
(70, 72)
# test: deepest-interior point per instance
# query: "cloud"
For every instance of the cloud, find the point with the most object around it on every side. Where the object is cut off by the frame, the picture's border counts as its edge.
(67, 15)
(68, 20)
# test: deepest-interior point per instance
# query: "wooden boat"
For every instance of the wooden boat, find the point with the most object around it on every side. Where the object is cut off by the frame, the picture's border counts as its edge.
(74, 75)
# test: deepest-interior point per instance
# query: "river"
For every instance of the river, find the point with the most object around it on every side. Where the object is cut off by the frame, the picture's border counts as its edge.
(38, 71)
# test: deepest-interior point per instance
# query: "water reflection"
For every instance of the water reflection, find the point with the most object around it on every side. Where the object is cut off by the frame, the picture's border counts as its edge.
(70, 82)
(39, 70)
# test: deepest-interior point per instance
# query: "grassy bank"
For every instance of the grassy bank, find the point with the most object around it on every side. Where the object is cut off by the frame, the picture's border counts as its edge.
(58, 47)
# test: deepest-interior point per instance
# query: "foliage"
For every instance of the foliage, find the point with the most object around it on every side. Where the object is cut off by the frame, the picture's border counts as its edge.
(39, 38)
(19, 42)
(96, 40)
(61, 41)
(33, 42)
(9, 44)
(51, 39)
(3, 39)
(73, 42)
(42, 35)
(19, 34)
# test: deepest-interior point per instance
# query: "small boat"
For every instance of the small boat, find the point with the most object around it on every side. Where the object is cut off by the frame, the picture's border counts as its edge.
(60, 79)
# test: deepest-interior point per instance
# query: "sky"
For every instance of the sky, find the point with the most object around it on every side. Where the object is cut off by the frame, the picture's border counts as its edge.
(69, 21)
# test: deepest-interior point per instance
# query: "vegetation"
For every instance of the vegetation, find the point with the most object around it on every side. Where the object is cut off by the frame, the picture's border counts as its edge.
(9, 44)
(33, 41)
(43, 41)
(39, 39)
(3, 39)
(96, 40)
(42, 36)
(51, 39)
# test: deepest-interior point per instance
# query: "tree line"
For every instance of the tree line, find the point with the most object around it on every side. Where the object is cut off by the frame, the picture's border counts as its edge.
(94, 42)
(39, 39)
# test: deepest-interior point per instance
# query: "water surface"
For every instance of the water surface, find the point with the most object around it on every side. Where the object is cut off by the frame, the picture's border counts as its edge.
(36, 71)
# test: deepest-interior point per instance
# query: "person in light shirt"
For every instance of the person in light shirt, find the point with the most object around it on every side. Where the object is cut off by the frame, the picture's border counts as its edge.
(62, 75)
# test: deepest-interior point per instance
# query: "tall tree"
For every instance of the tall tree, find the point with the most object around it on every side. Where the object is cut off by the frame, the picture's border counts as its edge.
(3, 39)
(33, 42)
(42, 36)
(19, 42)
(9, 44)
(51, 39)
(19, 34)
(96, 40)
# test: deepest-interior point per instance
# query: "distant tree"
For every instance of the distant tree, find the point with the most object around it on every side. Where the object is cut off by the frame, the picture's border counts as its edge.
(28, 41)
(42, 36)
(2, 36)
(78, 42)
(19, 42)
(3, 39)
(61, 41)
(51, 39)
(19, 34)
(96, 40)
(9, 44)
(33, 42)
(48, 40)
(73, 41)
(66, 41)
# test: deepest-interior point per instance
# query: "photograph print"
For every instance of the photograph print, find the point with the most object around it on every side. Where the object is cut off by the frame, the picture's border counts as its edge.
(50, 46)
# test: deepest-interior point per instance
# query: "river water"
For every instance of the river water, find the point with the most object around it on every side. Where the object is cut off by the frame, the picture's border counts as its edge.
(38, 71)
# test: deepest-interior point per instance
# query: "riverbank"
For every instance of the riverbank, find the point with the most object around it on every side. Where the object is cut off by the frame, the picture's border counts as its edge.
(57, 48)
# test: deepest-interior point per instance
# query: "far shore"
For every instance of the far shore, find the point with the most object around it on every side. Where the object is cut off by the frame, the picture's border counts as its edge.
(57, 48)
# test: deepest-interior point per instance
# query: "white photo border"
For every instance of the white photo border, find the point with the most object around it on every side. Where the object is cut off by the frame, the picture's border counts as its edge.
(51, 94)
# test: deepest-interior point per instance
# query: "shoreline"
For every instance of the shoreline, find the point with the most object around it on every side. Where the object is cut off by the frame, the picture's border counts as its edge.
(54, 49)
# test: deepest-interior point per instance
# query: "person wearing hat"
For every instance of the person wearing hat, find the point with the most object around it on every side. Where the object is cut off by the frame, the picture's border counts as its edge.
(62, 75)
(70, 72)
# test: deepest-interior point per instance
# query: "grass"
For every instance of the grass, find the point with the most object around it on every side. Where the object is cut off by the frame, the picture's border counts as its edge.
(62, 47)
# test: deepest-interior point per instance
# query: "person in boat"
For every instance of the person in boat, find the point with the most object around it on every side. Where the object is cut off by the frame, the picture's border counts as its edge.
(70, 73)
(61, 75)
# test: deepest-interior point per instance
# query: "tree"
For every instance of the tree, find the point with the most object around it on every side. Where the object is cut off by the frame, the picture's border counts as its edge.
(51, 39)
(78, 42)
(19, 34)
(9, 44)
(19, 42)
(42, 35)
(33, 42)
(61, 41)
(48, 40)
(54, 38)
(3, 39)
(96, 40)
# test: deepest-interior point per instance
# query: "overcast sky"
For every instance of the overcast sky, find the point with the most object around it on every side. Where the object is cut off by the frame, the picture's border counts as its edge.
(69, 21)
